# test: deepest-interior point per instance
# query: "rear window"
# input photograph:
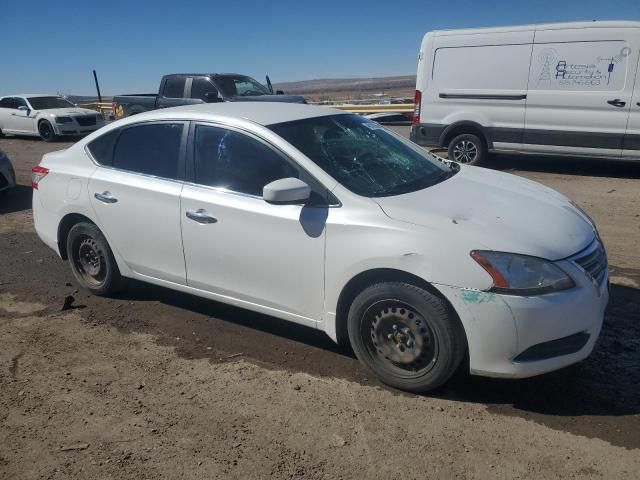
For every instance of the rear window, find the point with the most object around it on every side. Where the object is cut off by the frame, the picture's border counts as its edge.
(151, 149)
(101, 148)
(174, 87)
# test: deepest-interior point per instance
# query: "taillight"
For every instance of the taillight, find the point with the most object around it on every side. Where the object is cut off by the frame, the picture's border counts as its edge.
(114, 107)
(416, 109)
(37, 174)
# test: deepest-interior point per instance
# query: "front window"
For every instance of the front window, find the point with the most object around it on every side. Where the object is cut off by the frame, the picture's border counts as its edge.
(364, 156)
(238, 85)
(46, 103)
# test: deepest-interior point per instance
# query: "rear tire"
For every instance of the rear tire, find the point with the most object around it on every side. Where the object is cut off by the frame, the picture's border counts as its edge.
(46, 131)
(406, 336)
(468, 149)
(92, 261)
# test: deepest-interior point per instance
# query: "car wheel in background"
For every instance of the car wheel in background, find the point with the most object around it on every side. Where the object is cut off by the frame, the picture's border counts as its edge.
(92, 261)
(46, 131)
(467, 149)
(406, 336)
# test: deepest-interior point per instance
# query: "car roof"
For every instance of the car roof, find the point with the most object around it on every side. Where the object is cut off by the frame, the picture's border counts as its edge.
(263, 113)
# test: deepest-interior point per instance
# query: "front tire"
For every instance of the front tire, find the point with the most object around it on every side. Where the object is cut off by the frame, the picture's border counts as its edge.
(468, 149)
(406, 336)
(92, 261)
(46, 131)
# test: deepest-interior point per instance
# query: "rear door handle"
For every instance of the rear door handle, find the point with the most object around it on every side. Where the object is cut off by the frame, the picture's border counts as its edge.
(617, 102)
(201, 216)
(105, 197)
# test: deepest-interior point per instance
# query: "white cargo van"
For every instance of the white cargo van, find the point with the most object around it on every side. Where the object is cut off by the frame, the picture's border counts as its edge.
(565, 88)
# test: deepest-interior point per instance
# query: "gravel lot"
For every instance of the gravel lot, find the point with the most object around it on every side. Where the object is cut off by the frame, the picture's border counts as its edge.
(158, 384)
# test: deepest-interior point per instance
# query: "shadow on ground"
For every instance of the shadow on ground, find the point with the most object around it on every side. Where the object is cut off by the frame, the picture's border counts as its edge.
(588, 167)
(16, 199)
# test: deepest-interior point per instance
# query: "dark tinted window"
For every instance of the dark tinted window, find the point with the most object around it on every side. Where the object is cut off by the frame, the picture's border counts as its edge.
(20, 102)
(102, 148)
(46, 103)
(174, 87)
(200, 87)
(7, 103)
(363, 156)
(237, 162)
(150, 149)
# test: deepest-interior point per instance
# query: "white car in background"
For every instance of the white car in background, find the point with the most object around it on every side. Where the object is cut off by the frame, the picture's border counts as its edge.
(46, 116)
(327, 219)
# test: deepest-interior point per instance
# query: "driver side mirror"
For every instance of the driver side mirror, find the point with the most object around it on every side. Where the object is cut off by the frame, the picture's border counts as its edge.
(286, 191)
(211, 96)
(23, 108)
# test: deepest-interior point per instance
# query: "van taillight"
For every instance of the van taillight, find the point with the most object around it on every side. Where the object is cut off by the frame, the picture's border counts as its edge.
(416, 109)
(114, 107)
(37, 174)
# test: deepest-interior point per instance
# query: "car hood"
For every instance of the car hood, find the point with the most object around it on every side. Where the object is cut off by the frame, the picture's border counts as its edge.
(496, 211)
(71, 111)
(269, 98)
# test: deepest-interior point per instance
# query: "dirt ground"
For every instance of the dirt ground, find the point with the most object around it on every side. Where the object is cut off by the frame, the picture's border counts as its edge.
(158, 384)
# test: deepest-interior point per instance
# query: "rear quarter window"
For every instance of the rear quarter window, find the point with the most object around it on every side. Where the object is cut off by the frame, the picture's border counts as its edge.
(101, 148)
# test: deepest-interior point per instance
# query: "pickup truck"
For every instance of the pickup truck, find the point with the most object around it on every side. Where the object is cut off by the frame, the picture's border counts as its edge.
(190, 88)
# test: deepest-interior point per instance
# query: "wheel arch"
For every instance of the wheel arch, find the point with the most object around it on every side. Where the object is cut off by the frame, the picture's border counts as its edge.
(65, 225)
(465, 126)
(370, 277)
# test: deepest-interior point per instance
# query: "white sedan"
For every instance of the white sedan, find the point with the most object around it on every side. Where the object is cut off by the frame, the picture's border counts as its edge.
(327, 219)
(45, 116)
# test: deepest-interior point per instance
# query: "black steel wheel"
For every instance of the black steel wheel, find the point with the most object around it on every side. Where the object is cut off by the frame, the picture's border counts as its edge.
(406, 336)
(46, 131)
(92, 261)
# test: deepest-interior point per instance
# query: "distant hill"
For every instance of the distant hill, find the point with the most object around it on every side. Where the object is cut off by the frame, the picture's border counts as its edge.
(351, 88)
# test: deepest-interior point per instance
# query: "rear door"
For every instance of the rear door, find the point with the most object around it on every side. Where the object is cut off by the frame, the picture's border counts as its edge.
(8, 121)
(135, 193)
(580, 88)
(173, 91)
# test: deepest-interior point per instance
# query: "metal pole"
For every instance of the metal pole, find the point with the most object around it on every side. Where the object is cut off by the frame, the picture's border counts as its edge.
(95, 77)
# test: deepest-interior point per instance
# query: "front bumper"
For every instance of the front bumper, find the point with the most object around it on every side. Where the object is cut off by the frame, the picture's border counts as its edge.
(515, 337)
(74, 128)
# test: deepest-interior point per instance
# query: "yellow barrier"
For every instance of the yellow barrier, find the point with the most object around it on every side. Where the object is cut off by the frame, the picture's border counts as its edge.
(393, 107)
(103, 107)
(100, 107)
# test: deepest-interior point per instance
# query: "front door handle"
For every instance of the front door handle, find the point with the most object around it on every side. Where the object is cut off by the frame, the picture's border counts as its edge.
(105, 197)
(617, 102)
(201, 216)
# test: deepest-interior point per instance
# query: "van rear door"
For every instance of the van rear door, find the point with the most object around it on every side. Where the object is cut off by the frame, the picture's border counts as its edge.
(580, 88)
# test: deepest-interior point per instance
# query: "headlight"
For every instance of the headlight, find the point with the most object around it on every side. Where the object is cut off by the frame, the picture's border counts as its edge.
(515, 274)
(64, 120)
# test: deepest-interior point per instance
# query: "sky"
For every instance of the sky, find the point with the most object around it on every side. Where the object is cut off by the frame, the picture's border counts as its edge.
(52, 47)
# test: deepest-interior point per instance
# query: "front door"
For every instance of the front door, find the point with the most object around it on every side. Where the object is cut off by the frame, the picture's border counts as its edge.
(236, 245)
(580, 87)
(135, 194)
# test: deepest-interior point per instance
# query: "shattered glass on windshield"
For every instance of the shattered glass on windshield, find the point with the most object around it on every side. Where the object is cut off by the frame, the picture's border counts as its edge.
(362, 155)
